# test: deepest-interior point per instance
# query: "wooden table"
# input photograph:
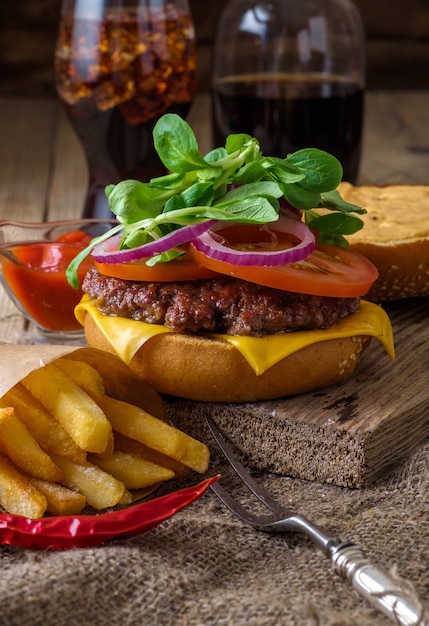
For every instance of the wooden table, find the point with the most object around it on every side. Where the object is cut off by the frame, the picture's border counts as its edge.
(43, 176)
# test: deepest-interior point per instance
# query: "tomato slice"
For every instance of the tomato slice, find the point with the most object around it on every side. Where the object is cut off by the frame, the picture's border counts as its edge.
(328, 271)
(179, 269)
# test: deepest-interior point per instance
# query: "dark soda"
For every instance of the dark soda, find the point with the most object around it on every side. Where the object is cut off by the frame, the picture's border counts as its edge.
(115, 77)
(115, 150)
(289, 112)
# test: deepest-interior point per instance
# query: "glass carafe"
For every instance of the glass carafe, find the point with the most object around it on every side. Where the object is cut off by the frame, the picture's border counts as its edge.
(292, 74)
(119, 66)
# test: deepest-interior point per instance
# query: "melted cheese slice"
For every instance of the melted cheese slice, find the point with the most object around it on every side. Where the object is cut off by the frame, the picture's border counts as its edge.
(127, 336)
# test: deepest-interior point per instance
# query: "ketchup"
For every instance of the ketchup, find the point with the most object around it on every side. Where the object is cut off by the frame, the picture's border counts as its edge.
(38, 280)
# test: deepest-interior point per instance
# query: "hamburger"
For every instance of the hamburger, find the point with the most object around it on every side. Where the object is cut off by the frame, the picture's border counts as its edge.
(220, 282)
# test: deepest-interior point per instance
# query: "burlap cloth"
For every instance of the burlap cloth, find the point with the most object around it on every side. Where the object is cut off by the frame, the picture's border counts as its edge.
(204, 567)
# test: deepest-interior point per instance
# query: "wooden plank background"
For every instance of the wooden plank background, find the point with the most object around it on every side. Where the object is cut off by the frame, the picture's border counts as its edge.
(397, 35)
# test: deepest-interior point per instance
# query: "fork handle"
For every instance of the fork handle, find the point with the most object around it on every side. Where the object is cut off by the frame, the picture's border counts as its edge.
(395, 598)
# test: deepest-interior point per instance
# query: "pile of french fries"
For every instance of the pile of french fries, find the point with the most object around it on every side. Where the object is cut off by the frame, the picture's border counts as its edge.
(65, 444)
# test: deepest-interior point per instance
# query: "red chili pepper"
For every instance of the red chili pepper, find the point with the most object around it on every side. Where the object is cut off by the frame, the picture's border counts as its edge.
(80, 531)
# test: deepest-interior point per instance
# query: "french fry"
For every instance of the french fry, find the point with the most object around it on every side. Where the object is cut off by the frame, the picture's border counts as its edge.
(133, 471)
(68, 438)
(137, 424)
(87, 378)
(84, 375)
(22, 448)
(48, 432)
(17, 495)
(138, 494)
(109, 449)
(100, 489)
(120, 382)
(60, 499)
(131, 446)
(127, 498)
(74, 409)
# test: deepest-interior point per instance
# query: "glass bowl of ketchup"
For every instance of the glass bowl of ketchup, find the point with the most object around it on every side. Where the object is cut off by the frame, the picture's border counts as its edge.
(33, 262)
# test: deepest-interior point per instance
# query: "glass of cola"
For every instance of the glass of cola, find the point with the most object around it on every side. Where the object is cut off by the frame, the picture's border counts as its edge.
(292, 74)
(119, 66)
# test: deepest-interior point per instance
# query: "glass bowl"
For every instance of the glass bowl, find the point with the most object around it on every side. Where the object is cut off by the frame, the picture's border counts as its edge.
(33, 262)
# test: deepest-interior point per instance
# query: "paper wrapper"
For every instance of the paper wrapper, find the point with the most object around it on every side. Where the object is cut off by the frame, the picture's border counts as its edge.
(18, 360)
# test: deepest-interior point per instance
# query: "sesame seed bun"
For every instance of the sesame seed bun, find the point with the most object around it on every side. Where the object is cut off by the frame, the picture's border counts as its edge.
(395, 237)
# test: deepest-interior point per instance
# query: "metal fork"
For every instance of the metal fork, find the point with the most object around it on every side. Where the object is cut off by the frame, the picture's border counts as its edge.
(395, 597)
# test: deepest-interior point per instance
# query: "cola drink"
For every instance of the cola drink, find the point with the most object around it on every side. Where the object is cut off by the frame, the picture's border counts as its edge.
(116, 75)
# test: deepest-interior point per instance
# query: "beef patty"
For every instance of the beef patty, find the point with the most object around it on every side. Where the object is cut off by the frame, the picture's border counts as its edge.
(220, 305)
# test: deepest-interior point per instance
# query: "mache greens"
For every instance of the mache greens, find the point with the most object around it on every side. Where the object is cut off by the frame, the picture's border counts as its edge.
(232, 183)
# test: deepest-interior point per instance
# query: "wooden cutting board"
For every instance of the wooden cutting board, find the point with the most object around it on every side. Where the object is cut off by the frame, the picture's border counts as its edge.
(349, 434)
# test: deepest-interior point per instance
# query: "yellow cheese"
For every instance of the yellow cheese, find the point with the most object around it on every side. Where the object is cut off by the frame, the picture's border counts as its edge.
(127, 336)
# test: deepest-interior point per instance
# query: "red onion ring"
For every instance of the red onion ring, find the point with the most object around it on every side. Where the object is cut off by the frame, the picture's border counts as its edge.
(107, 251)
(288, 210)
(215, 249)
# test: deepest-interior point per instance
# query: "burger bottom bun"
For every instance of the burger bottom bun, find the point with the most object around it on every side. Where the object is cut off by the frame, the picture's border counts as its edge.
(210, 370)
